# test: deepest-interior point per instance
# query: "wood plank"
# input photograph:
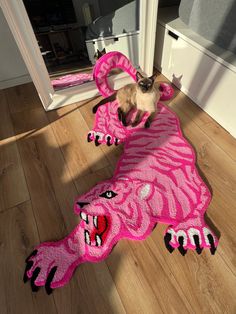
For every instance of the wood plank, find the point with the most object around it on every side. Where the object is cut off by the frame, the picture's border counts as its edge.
(113, 154)
(86, 107)
(193, 111)
(91, 290)
(51, 188)
(84, 184)
(222, 215)
(71, 131)
(205, 280)
(132, 285)
(18, 235)
(221, 137)
(13, 188)
(22, 97)
(6, 129)
(160, 279)
(44, 169)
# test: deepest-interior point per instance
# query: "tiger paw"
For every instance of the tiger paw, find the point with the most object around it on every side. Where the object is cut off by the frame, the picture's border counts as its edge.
(101, 138)
(194, 238)
(166, 91)
(50, 265)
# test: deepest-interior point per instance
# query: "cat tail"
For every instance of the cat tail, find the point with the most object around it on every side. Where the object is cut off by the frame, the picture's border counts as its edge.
(104, 101)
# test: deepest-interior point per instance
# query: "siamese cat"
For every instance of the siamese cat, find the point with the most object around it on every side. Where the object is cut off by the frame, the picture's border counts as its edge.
(142, 96)
(99, 54)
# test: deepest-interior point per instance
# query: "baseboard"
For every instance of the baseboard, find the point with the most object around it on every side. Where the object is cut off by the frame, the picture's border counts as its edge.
(15, 81)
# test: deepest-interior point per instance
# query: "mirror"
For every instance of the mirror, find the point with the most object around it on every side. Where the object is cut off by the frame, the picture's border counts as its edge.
(73, 34)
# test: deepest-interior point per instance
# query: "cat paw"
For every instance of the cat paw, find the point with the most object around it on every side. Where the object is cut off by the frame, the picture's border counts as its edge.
(135, 123)
(101, 138)
(147, 124)
(194, 238)
(49, 265)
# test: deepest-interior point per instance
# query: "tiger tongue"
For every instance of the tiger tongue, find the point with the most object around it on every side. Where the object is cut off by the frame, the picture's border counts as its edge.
(100, 227)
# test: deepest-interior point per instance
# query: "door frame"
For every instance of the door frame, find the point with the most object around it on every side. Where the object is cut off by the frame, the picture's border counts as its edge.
(20, 26)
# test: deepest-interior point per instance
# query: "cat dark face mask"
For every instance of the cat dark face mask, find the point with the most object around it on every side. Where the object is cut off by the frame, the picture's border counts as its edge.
(145, 84)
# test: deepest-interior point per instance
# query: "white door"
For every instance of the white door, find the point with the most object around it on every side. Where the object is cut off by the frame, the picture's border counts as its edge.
(22, 31)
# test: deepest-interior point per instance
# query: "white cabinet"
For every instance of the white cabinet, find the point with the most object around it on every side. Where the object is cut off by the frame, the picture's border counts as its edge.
(200, 69)
(125, 43)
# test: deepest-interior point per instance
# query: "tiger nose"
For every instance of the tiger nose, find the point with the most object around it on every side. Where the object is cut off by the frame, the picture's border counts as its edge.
(82, 204)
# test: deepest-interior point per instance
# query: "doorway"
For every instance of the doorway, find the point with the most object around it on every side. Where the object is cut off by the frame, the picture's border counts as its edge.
(61, 38)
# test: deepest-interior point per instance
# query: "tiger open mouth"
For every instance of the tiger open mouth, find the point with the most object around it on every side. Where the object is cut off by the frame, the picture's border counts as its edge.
(95, 229)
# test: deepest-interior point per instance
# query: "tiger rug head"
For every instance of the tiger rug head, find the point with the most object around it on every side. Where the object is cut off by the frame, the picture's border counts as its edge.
(115, 209)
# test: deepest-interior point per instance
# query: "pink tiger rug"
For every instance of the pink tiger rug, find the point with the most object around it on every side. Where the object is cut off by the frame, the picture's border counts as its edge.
(70, 80)
(156, 181)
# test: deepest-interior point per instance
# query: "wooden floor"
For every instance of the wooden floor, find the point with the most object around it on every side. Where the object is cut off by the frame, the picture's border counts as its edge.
(45, 162)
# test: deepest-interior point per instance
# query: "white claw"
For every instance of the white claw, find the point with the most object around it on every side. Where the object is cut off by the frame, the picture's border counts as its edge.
(182, 233)
(172, 232)
(108, 135)
(95, 221)
(100, 134)
(206, 232)
(98, 240)
(91, 135)
(191, 233)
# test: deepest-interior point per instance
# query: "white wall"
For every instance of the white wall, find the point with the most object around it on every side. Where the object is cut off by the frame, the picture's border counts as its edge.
(12, 67)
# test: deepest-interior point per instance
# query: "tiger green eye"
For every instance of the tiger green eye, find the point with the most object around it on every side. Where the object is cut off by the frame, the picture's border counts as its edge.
(108, 194)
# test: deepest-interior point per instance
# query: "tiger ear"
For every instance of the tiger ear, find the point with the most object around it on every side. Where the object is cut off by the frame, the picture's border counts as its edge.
(138, 76)
(145, 191)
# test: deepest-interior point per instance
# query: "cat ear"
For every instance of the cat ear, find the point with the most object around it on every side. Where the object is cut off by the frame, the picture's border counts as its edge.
(99, 54)
(138, 76)
(154, 76)
(104, 50)
(145, 191)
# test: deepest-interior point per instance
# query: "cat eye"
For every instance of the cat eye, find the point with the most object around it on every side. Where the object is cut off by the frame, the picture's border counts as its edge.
(108, 194)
